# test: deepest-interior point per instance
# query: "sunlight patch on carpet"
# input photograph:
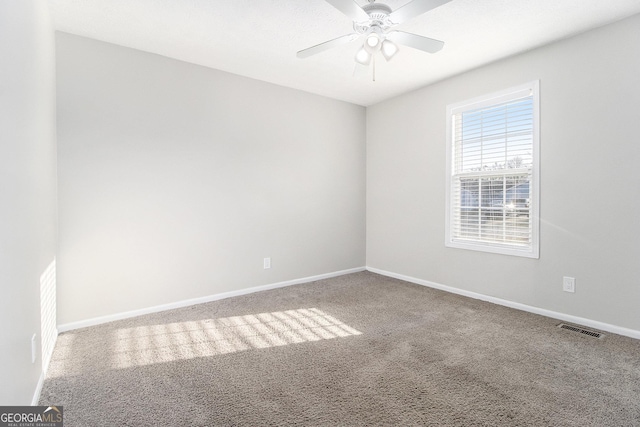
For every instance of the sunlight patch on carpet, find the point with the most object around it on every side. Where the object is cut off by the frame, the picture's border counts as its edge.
(146, 345)
(66, 361)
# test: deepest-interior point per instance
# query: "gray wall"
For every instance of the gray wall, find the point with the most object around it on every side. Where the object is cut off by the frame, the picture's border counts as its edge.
(27, 193)
(590, 180)
(175, 181)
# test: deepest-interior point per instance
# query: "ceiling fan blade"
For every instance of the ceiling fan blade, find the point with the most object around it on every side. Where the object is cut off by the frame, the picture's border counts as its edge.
(305, 53)
(413, 9)
(415, 41)
(350, 8)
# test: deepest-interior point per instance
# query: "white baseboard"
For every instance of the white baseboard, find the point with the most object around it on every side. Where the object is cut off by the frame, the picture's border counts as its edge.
(185, 303)
(36, 394)
(518, 306)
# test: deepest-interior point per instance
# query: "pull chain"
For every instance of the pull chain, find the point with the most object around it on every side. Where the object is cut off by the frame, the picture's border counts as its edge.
(374, 68)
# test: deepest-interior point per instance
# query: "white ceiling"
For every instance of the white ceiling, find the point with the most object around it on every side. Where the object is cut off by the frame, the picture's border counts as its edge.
(260, 38)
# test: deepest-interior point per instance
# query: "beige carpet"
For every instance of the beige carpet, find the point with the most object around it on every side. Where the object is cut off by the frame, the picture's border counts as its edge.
(357, 350)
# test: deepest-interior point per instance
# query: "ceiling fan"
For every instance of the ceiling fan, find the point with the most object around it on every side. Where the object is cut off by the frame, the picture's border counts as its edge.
(375, 21)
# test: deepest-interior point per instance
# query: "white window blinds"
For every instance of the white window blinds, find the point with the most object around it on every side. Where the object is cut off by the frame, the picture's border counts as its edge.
(492, 173)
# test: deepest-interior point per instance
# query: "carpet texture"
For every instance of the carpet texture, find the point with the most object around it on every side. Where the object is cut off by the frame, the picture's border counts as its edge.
(356, 350)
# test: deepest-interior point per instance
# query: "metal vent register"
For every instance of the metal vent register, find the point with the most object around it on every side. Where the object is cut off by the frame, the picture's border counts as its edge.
(593, 334)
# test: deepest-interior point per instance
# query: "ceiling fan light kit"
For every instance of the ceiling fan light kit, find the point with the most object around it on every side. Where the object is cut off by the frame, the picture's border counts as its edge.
(363, 57)
(373, 42)
(389, 49)
(375, 21)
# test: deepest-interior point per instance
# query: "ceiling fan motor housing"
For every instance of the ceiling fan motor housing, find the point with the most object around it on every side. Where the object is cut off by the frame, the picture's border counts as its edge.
(378, 17)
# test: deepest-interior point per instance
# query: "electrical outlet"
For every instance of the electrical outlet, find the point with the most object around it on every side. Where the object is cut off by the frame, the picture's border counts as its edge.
(569, 284)
(267, 263)
(33, 348)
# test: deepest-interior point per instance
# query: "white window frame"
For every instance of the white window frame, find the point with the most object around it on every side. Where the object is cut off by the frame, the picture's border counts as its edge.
(486, 101)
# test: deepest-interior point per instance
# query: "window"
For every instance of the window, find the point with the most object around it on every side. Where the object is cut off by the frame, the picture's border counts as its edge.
(493, 172)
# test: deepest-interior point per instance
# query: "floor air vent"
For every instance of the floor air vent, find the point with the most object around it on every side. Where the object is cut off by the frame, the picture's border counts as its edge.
(593, 334)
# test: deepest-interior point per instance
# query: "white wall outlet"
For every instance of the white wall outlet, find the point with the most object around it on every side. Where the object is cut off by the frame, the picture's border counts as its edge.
(33, 348)
(267, 263)
(569, 284)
